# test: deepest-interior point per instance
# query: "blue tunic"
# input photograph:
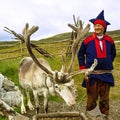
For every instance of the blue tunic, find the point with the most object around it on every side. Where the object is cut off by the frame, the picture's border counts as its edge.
(90, 50)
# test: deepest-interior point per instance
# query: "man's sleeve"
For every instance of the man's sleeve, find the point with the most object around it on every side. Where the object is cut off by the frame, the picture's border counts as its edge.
(113, 51)
(81, 56)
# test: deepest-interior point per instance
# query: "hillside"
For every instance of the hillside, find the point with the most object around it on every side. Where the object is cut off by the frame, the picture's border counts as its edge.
(65, 36)
(12, 52)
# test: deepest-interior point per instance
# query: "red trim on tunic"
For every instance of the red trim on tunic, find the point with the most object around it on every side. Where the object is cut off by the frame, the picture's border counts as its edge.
(82, 67)
(109, 39)
(100, 53)
(87, 40)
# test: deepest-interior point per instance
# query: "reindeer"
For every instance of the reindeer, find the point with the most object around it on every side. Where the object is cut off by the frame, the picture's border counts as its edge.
(37, 75)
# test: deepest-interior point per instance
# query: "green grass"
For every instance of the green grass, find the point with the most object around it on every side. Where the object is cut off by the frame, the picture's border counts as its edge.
(9, 68)
(3, 118)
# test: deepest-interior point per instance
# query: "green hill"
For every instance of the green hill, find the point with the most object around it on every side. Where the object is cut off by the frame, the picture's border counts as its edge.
(64, 36)
(12, 51)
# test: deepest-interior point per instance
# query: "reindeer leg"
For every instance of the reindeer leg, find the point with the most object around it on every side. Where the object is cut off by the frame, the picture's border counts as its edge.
(46, 95)
(29, 101)
(23, 109)
(45, 104)
(36, 101)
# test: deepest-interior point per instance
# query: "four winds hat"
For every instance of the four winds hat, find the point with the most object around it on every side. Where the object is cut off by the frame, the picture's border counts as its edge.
(100, 20)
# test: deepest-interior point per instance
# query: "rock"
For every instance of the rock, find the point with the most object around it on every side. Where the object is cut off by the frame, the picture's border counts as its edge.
(8, 85)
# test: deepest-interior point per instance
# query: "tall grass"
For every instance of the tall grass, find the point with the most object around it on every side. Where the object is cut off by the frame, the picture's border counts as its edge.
(9, 68)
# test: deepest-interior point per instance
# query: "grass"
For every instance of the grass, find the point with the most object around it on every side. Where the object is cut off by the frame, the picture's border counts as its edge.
(9, 68)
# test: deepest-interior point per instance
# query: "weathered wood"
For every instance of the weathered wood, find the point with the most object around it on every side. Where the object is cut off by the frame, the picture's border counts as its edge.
(22, 39)
(61, 116)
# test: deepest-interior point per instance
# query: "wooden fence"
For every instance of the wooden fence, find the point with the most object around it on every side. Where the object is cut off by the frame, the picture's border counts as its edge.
(14, 49)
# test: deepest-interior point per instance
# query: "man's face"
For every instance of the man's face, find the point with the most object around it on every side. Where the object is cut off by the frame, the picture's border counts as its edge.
(99, 29)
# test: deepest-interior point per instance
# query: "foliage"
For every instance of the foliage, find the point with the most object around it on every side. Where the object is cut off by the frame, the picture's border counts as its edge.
(3, 118)
(9, 68)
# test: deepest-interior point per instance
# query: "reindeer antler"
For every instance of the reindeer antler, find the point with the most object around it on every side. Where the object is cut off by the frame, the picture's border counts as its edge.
(86, 71)
(81, 33)
(27, 33)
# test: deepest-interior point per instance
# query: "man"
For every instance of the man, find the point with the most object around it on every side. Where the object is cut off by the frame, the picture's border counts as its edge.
(101, 47)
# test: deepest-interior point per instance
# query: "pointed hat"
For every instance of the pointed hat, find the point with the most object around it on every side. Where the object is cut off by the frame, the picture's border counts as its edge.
(100, 20)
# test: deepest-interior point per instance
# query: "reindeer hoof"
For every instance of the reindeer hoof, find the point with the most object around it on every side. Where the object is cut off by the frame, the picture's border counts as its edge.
(31, 108)
(37, 110)
(23, 111)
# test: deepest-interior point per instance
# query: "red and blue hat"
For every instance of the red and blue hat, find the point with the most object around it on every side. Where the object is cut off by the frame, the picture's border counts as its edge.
(100, 20)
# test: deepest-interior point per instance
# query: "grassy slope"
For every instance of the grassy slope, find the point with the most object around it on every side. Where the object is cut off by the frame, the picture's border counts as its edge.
(9, 68)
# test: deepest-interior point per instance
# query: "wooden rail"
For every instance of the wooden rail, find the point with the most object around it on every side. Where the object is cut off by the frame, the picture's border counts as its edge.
(15, 49)
(61, 116)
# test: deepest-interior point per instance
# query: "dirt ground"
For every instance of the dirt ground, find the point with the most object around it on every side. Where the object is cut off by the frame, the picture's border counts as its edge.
(62, 107)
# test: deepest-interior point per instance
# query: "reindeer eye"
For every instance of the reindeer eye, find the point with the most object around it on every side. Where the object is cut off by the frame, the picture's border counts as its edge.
(56, 86)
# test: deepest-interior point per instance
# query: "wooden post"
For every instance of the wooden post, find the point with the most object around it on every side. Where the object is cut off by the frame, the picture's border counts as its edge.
(21, 48)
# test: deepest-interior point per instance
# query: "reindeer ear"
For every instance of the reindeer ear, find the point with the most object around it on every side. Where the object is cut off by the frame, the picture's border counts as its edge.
(71, 83)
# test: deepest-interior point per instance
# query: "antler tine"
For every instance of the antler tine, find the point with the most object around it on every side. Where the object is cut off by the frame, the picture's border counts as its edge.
(86, 71)
(25, 29)
(74, 20)
(27, 33)
(73, 27)
(63, 69)
(80, 34)
(80, 24)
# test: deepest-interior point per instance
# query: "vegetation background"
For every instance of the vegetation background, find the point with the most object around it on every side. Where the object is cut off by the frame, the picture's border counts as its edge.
(11, 54)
